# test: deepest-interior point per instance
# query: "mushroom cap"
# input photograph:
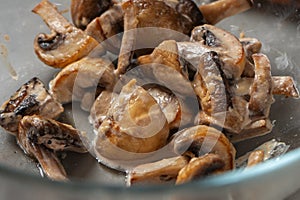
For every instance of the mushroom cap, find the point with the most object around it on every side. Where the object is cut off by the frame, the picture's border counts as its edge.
(203, 139)
(86, 74)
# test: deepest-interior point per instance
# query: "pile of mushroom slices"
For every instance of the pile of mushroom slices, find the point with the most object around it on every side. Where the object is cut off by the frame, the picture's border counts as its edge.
(168, 114)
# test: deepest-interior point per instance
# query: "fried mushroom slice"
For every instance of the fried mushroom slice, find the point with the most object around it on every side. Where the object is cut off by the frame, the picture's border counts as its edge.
(261, 96)
(84, 11)
(101, 107)
(227, 46)
(80, 77)
(31, 98)
(163, 171)
(201, 140)
(255, 158)
(135, 126)
(65, 44)
(200, 167)
(284, 85)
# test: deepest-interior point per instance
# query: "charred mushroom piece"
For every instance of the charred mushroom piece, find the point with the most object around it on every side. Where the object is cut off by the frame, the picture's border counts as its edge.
(80, 77)
(227, 46)
(201, 140)
(84, 11)
(52, 134)
(261, 90)
(31, 98)
(200, 167)
(285, 85)
(65, 44)
(134, 128)
(163, 171)
(255, 158)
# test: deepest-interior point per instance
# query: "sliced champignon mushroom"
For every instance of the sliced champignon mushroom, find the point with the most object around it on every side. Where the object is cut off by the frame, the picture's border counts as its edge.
(251, 46)
(135, 126)
(31, 98)
(254, 129)
(227, 46)
(106, 27)
(80, 77)
(84, 11)
(157, 13)
(201, 140)
(261, 89)
(163, 171)
(218, 10)
(52, 134)
(65, 44)
(101, 107)
(285, 85)
(210, 84)
(200, 167)
(255, 158)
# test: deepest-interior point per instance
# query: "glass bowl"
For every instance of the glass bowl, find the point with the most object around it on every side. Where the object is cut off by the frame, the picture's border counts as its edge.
(276, 26)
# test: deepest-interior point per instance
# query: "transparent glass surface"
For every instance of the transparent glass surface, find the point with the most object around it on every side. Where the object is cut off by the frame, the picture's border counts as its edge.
(278, 28)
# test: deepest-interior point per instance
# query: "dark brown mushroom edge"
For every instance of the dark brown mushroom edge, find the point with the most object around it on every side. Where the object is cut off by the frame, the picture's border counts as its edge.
(176, 119)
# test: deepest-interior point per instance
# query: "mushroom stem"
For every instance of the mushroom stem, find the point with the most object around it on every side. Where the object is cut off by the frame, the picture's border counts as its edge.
(51, 16)
(219, 10)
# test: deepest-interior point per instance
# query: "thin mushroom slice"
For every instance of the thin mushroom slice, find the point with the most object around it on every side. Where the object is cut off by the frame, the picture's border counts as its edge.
(219, 10)
(65, 44)
(203, 139)
(31, 98)
(84, 11)
(261, 96)
(80, 77)
(134, 128)
(285, 85)
(227, 46)
(163, 171)
(200, 167)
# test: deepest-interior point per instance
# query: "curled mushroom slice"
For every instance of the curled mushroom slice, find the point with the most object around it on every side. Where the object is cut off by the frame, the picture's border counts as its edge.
(134, 127)
(84, 11)
(200, 167)
(284, 85)
(163, 171)
(201, 140)
(31, 98)
(251, 46)
(65, 44)
(255, 158)
(80, 77)
(261, 89)
(228, 47)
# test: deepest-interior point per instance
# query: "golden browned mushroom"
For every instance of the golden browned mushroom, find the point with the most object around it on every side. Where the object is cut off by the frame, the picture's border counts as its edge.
(201, 140)
(134, 127)
(84, 11)
(31, 98)
(163, 171)
(285, 85)
(261, 96)
(65, 44)
(255, 158)
(200, 167)
(41, 137)
(80, 77)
